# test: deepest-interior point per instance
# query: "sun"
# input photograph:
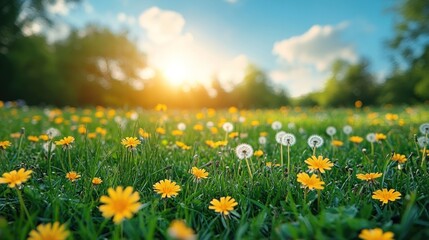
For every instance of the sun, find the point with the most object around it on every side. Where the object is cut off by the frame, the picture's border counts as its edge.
(176, 72)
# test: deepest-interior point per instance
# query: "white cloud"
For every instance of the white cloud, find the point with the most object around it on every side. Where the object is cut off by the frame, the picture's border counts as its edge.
(60, 7)
(161, 25)
(318, 47)
(232, 72)
(232, 1)
(87, 7)
(299, 80)
(124, 18)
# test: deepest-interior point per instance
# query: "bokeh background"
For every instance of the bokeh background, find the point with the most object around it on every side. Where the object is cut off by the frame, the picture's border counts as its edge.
(220, 53)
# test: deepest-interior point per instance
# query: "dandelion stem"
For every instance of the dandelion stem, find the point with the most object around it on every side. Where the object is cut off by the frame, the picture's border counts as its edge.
(314, 150)
(424, 154)
(248, 168)
(20, 143)
(69, 158)
(281, 154)
(23, 207)
(288, 159)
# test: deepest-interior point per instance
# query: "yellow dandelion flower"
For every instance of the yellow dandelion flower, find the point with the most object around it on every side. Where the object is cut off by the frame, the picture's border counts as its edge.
(356, 139)
(270, 164)
(96, 181)
(375, 234)
(358, 104)
(182, 145)
(319, 164)
(49, 231)
(5, 144)
(15, 178)
(166, 188)
(130, 142)
(81, 130)
(254, 123)
(72, 176)
(177, 133)
(33, 139)
(258, 153)
(399, 158)
(369, 177)
(386, 196)
(380, 137)
(91, 135)
(224, 205)
(198, 127)
(214, 130)
(66, 142)
(199, 173)
(15, 135)
(311, 183)
(233, 135)
(44, 137)
(120, 203)
(337, 143)
(391, 117)
(101, 131)
(232, 110)
(178, 230)
(160, 131)
(161, 107)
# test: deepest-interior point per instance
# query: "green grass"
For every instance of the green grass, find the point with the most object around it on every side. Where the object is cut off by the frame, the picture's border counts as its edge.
(270, 205)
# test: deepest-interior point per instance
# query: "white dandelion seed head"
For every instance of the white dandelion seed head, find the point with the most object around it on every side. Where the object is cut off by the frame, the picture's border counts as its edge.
(53, 132)
(262, 140)
(288, 139)
(423, 141)
(241, 119)
(134, 116)
(181, 126)
(370, 137)
(347, 129)
(209, 124)
(276, 125)
(424, 128)
(228, 127)
(315, 141)
(291, 125)
(48, 147)
(331, 131)
(279, 136)
(301, 130)
(243, 151)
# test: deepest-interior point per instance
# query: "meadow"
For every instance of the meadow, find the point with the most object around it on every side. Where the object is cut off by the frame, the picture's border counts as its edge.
(102, 173)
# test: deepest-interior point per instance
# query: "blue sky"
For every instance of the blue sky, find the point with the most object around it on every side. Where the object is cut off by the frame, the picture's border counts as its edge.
(294, 42)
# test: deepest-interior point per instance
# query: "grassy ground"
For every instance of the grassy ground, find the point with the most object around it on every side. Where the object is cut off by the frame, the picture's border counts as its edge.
(271, 204)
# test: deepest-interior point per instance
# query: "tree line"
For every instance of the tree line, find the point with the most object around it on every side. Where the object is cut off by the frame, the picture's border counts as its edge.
(95, 66)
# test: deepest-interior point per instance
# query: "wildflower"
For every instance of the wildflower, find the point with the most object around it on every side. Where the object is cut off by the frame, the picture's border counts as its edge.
(319, 164)
(380, 136)
(288, 139)
(199, 173)
(311, 183)
(66, 142)
(177, 133)
(375, 234)
(315, 141)
(48, 147)
(391, 117)
(92, 135)
(331, 131)
(262, 140)
(347, 129)
(160, 130)
(44, 137)
(81, 130)
(214, 130)
(179, 230)
(254, 123)
(161, 107)
(166, 188)
(181, 126)
(369, 177)
(15, 135)
(96, 181)
(5, 144)
(33, 139)
(424, 128)
(198, 127)
(15, 178)
(121, 203)
(143, 133)
(51, 231)
(358, 104)
(422, 141)
(356, 139)
(224, 205)
(371, 137)
(386, 196)
(182, 145)
(130, 142)
(399, 158)
(72, 176)
(258, 153)
(337, 143)
(228, 127)
(101, 131)
(244, 151)
(52, 132)
(279, 136)
(270, 164)
(232, 109)
(233, 135)
(276, 125)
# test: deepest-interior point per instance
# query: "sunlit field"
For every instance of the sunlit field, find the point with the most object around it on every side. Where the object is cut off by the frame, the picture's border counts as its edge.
(288, 173)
